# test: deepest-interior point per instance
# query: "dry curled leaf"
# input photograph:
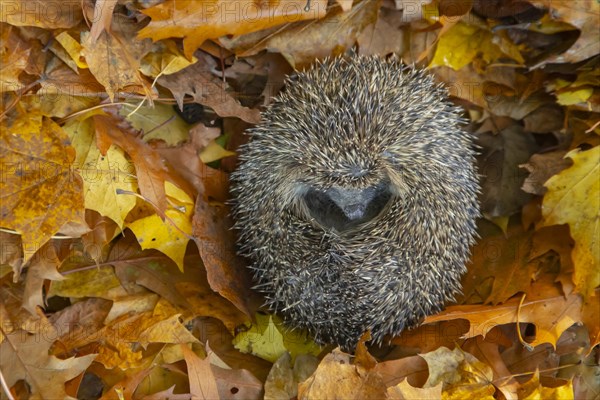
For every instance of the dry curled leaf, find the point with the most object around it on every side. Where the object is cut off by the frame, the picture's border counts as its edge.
(336, 378)
(26, 356)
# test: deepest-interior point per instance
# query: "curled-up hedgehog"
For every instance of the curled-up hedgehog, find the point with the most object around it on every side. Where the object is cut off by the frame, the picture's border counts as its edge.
(356, 199)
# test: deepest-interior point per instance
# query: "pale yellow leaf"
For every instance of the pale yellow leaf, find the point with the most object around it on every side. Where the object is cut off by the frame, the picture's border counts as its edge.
(214, 152)
(72, 47)
(103, 175)
(573, 198)
(171, 235)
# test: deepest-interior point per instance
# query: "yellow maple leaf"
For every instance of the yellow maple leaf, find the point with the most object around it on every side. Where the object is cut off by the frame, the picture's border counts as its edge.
(151, 120)
(404, 390)
(161, 325)
(164, 59)
(170, 236)
(461, 44)
(533, 389)
(574, 198)
(40, 191)
(569, 93)
(103, 175)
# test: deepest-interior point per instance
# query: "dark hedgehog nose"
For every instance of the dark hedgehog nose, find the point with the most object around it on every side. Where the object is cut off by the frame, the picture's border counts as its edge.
(355, 211)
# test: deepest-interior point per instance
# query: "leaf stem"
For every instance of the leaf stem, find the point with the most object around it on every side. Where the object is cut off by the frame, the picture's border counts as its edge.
(523, 342)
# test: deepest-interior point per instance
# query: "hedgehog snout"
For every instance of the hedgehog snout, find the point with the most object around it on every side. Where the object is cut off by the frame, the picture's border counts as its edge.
(355, 211)
(353, 202)
(345, 208)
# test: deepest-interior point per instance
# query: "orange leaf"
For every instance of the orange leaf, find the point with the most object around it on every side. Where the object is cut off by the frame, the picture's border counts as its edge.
(301, 43)
(363, 358)
(77, 325)
(202, 380)
(115, 58)
(13, 59)
(147, 268)
(502, 260)
(591, 311)
(11, 254)
(42, 13)
(197, 21)
(188, 290)
(552, 315)
(489, 353)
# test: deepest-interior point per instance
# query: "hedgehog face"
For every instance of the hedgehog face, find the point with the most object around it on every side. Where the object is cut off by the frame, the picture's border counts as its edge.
(344, 208)
(341, 199)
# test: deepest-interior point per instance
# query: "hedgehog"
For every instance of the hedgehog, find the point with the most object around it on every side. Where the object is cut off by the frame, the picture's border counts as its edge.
(355, 199)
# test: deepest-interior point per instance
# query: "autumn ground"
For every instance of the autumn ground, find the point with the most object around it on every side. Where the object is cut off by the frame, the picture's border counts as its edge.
(118, 274)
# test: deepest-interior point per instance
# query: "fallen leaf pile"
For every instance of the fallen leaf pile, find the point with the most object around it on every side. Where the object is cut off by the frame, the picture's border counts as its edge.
(120, 121)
